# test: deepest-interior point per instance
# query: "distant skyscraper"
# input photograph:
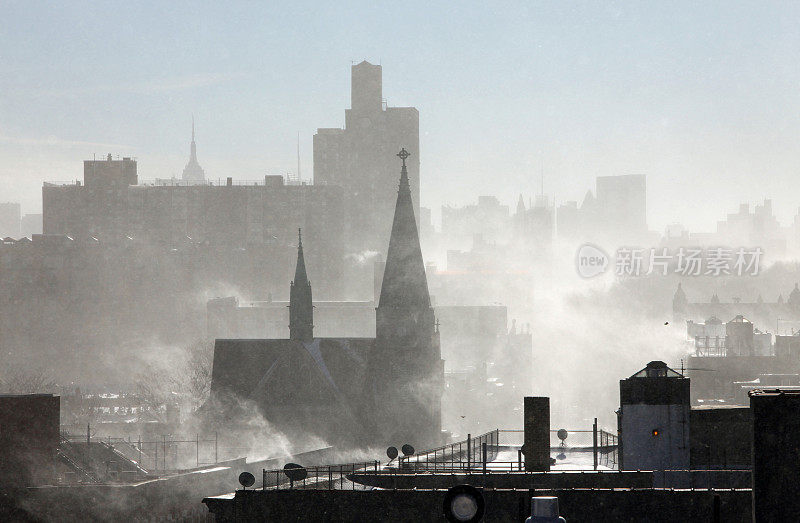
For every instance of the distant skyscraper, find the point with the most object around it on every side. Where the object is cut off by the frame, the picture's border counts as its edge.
(616, 213)
(193, 173)
(110, 206)
(9, 220)
(31, 224)
(622, 202)
(357, 158)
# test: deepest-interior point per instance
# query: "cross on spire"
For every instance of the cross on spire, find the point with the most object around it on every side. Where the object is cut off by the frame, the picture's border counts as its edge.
(403, 154)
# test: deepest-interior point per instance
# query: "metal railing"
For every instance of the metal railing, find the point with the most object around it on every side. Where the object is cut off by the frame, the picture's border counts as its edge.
(467, 454)
(165, 453)
(607, 450)
(323, 477)
(474, 455)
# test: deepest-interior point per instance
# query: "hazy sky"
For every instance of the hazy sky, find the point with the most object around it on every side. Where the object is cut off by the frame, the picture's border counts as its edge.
(702, 97)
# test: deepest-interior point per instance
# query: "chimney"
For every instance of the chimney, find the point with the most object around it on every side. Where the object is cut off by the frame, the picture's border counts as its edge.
(537, 434)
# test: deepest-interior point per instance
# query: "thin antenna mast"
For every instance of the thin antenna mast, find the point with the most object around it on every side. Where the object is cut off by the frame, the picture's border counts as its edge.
(541, 176)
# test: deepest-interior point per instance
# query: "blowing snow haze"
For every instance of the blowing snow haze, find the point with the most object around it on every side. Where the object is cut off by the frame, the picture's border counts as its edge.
(236, 237)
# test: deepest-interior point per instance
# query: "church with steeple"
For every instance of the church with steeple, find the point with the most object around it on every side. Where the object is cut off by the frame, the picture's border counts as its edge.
(380, 391)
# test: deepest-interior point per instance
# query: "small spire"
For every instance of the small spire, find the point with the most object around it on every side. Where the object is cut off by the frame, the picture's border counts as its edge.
(520, 205)
(300, 276)
(403, 154)
(301, 305)
(192, 127)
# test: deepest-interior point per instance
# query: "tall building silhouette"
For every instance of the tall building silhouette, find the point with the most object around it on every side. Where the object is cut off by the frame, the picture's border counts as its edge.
(193, 173)
(357, 158)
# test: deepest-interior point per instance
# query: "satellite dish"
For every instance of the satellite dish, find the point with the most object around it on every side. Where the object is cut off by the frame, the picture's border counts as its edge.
(407, 449)
(246, 479)
(562, 434)
(391, 452)
(295, 472)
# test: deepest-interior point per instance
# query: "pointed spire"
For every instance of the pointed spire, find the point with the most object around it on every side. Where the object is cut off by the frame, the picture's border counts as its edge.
(193, 172)
(301, 307)
(193, 152)
(679, 301)
(300, 276)
(404, 280)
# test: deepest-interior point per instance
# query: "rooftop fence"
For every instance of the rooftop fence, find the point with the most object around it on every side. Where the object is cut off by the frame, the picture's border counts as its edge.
(487, 453)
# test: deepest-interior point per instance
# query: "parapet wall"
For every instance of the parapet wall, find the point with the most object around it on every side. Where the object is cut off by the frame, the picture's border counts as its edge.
(501, 505)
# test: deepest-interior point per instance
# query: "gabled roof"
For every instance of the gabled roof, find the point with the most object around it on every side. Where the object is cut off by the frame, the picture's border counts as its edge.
(268, 369)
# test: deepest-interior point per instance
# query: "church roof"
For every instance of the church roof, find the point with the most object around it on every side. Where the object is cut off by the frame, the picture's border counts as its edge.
(260, 369)
(404, 280)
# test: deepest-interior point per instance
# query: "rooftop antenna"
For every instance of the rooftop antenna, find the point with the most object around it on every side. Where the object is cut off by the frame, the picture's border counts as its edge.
(298, 157)
(541, 175)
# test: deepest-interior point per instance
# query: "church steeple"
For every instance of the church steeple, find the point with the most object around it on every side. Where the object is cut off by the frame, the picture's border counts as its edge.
(301, 308)
(404, 281)
(405, 367)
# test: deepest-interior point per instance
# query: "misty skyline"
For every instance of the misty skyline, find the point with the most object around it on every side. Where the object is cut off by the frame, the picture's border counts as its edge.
(702, 98)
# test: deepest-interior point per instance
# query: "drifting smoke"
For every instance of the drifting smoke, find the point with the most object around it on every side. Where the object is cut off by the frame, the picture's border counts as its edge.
(362, 258)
